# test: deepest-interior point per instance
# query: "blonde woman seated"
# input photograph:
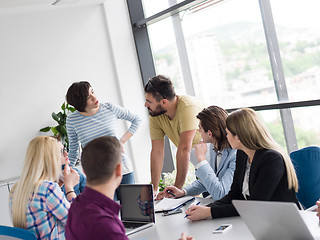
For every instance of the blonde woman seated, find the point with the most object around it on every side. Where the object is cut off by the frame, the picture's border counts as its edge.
(263, 170)
(36, 200)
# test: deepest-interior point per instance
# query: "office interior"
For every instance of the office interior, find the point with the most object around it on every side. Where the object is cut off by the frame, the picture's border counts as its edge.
(250, 53)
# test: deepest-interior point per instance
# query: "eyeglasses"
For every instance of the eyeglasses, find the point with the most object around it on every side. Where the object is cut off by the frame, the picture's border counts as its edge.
(64, 151)
(151, 88)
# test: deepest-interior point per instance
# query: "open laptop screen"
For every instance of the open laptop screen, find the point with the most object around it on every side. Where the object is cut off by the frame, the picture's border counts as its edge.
(137, 202)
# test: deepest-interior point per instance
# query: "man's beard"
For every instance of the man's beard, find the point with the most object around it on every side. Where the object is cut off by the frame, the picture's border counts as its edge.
(158, 111)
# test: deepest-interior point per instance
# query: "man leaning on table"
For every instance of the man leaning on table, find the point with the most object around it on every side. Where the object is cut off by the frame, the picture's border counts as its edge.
(174, 116)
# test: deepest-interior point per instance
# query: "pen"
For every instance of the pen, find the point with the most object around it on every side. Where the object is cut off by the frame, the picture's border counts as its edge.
(168, 191)
(187, 214)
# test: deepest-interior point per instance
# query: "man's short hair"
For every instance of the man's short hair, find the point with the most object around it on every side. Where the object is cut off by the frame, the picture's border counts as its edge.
(99, 159)
(78, 94)
(160, 87)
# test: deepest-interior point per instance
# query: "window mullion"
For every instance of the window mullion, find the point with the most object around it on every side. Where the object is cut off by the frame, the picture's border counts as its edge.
(278, 74)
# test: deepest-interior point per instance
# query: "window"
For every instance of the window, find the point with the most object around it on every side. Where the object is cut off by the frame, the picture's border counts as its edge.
(230, 64)
(165, 53)
(228, 54)
(299, 41)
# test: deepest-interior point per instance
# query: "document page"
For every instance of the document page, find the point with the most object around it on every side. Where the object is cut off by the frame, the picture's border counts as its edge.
(168, 204)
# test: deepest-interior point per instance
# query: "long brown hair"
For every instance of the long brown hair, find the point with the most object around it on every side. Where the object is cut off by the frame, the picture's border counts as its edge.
(213, 118)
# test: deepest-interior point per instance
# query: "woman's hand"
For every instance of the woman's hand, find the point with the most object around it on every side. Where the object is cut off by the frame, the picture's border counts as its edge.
(71, 178)
(318, 209)
(200, 150)
(124, 139)
(195, 213)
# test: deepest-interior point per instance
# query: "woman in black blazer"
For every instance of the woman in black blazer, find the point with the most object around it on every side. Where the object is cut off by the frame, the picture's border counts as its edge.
(264, 170)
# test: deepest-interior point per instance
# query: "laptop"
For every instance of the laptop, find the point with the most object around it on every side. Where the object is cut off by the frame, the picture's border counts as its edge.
(137, 207)
(273, 220)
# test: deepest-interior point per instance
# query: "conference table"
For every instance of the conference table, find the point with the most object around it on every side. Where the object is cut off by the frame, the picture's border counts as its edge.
(170, 227)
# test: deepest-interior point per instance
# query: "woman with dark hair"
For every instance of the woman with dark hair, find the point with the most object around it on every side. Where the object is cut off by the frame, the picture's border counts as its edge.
(93, 119)
(215, 174)
(263, 172)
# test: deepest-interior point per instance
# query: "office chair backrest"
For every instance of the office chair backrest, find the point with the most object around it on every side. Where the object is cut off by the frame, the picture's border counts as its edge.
(306, 162)
(13, 233)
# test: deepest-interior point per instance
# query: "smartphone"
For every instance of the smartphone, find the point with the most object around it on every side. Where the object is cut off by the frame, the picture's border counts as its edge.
(222, 228)
(172, 212)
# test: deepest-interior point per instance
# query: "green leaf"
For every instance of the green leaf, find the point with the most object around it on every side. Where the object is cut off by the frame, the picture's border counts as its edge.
(70, 108)
(63, 107)
(60, 115)
(54, 130)
(55, 117)
(62, 130)
(161, 185)
(45, 129)
(60, 118)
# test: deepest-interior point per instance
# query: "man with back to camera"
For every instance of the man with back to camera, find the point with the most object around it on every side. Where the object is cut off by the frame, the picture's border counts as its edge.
(174, 116)
(94, 214)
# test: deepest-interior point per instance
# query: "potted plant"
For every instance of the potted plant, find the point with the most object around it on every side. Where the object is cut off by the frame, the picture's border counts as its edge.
(60, 129)
(169, 178)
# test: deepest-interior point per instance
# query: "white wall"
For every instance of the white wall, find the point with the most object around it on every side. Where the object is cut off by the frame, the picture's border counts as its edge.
(43, 52)
(130, 83)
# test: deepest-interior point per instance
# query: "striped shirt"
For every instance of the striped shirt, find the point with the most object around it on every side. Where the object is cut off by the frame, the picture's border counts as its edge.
(83, 129)
(47, 212)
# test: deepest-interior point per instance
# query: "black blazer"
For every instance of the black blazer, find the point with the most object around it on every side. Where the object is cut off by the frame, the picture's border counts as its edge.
(267, 182)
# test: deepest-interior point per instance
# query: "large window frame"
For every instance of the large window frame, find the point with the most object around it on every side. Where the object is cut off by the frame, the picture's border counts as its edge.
(140, 32)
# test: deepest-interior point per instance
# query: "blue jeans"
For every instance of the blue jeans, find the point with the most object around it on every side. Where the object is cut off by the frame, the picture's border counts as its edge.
(126, 179)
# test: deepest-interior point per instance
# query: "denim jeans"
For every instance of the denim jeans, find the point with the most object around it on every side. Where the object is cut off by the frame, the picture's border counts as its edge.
(126, 179)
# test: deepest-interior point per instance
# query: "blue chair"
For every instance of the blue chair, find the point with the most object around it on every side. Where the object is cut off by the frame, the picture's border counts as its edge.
(16, 233)
(306, 162)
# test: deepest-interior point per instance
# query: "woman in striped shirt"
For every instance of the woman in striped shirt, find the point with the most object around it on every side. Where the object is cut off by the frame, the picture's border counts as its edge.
(93, 119)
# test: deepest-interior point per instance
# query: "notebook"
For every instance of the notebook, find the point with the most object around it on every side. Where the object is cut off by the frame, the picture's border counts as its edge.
(137, 207)
(171, 204)
(273, 220)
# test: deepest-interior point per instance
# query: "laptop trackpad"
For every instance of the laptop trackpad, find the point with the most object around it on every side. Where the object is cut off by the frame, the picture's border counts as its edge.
(132, 225)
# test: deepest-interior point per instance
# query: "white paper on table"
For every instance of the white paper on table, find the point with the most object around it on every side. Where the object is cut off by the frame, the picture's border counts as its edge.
(169, 204)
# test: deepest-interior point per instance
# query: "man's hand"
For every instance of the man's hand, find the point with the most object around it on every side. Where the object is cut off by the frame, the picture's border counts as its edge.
(176, 191)
(160, 196)
(200, 151)
(185, 237)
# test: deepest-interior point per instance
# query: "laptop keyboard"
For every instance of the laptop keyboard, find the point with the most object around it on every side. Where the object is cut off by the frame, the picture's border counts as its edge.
(132, 225)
